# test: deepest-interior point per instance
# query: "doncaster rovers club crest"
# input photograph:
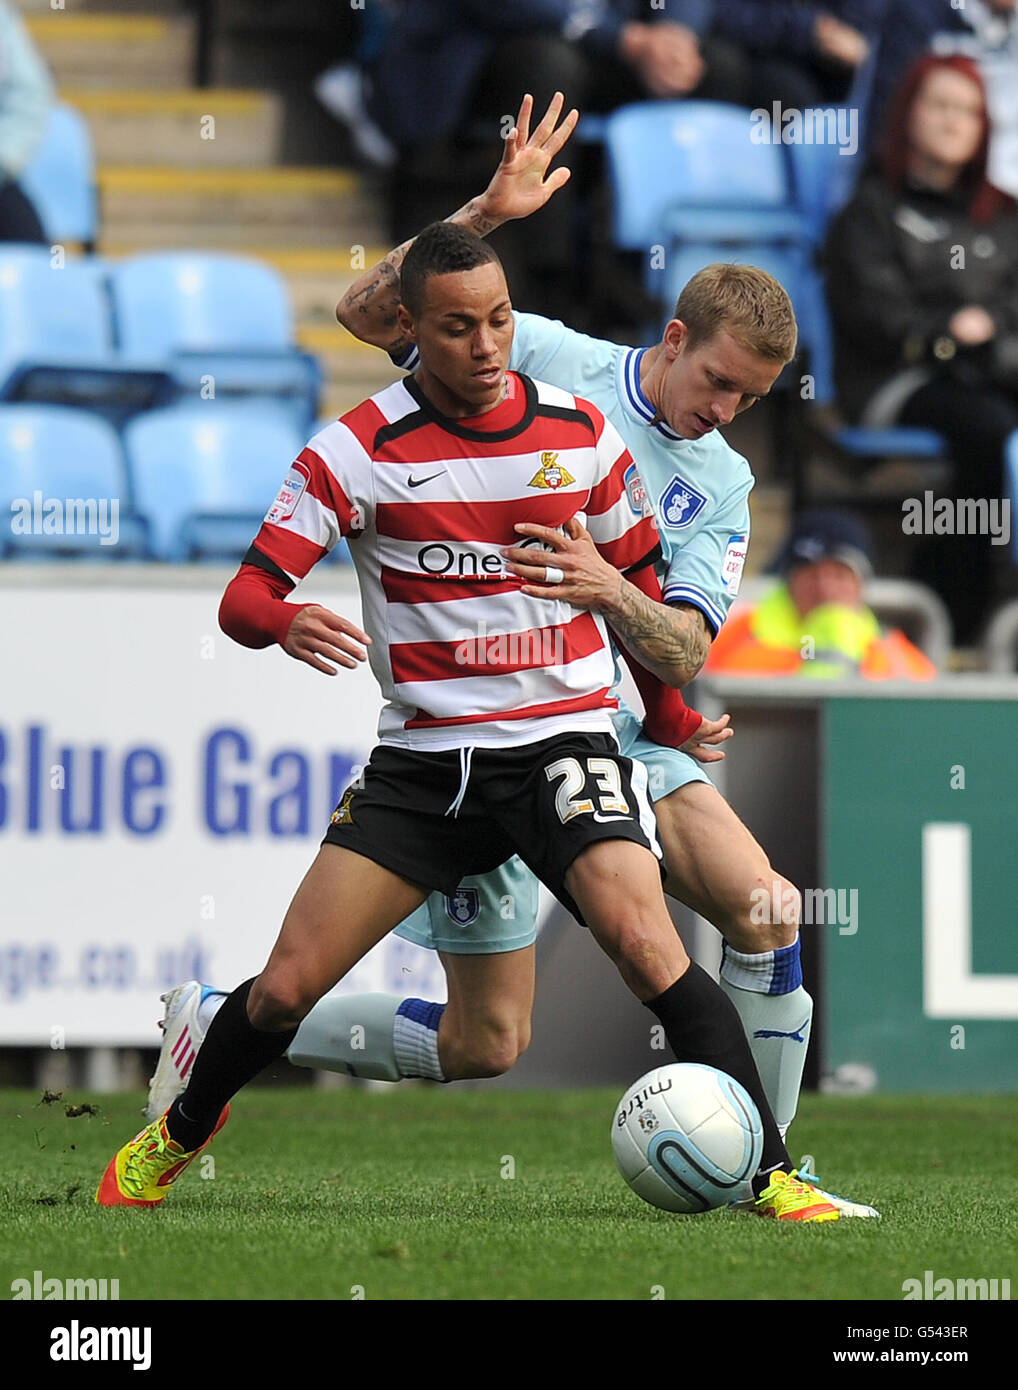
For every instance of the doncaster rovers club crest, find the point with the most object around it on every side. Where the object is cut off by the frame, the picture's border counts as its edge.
(551, 473)
(463, 907)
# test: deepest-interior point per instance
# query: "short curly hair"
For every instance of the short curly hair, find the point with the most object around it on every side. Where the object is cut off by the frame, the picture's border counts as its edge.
(441, 249)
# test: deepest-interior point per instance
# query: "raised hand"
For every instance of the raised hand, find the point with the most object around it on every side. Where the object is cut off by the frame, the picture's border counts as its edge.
(521, 184)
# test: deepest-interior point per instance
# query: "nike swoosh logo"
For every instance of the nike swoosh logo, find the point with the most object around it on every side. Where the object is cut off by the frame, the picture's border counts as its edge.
(419, 482)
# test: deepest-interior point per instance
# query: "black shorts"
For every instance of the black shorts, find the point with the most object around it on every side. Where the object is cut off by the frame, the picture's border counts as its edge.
(433, 818)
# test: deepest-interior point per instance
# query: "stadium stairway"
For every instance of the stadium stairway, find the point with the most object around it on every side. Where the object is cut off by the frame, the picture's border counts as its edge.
(163, 185)
(185, 167)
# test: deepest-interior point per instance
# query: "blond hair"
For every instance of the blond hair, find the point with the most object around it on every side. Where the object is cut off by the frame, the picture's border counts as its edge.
(742, 300)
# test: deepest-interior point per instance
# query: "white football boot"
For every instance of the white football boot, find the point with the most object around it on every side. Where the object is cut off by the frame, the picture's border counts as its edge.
(183, 1034)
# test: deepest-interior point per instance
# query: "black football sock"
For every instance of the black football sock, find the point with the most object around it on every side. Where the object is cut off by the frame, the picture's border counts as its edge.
(702, 1025)
(233, 1052)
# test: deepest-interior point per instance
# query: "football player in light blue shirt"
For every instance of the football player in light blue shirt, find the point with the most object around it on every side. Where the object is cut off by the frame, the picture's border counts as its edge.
(666, 402)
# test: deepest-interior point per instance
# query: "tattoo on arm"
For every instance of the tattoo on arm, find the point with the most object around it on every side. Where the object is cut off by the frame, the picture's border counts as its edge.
(474, 220)
(368, 309)
(672, 642)
(374, 300)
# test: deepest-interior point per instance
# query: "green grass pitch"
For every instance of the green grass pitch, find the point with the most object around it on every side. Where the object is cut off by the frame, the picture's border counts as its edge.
(432, 1193)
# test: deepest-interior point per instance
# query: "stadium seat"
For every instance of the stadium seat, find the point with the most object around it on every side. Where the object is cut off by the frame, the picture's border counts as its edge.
(851, 445)
(205, 474)
(691, 186)
(684, 155)
(56, 342)
(822, 182)
(60, 180)
(62, 487)
(224, 323)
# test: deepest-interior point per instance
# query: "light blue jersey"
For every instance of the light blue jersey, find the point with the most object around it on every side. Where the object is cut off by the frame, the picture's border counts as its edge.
(698, 490)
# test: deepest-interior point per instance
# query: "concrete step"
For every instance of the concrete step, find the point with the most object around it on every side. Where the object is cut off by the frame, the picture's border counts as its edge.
(147, 206)
(183, 129)
(115, 50)
(352, 371)
(318, 278)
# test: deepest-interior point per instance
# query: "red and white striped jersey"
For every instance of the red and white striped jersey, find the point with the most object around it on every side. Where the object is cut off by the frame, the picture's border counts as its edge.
(427, 503)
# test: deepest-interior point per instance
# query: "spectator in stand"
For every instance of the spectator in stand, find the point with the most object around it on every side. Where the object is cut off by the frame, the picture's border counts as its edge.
(912, 28)
(984, 30)
(814, 623)
(922, 273)
(800, 53)
(449, 72)
(26, 94)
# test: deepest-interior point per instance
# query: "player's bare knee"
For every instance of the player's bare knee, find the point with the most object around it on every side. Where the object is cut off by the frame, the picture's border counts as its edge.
(647, 959)
(766, 918)
(485, 1053)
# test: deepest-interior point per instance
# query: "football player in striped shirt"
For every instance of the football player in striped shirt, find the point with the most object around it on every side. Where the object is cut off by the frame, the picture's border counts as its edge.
(732, 331)
(482, 751)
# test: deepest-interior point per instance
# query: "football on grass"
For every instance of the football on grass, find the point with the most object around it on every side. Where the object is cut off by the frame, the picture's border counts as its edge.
(687, 1138)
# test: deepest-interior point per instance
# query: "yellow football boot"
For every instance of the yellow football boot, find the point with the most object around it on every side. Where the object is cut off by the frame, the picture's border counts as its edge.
(140, 1174)
(785, 1198)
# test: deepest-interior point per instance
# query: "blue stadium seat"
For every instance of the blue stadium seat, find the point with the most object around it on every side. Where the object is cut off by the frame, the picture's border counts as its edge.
(691, 186)
(63, 487)
(204, 475)
(850, 443)
(60, 180)
(688, 159)
(822, 182)
(56, 342)
(224, 322)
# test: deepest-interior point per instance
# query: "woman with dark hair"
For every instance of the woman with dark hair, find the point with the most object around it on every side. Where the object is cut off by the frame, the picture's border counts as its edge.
(922, 272)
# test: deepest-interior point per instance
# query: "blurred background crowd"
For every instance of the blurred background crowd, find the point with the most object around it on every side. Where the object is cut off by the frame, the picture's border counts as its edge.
(219, 171)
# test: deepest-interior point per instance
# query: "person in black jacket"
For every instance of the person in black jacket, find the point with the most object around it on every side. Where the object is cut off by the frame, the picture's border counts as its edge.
(447, 79)
(922, 272)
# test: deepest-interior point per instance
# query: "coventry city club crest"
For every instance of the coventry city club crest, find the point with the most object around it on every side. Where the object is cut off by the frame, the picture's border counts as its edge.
(680, 503)
(463, 906)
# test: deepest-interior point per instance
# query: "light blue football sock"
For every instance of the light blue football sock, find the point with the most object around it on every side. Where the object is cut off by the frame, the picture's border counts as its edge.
(777, 1014)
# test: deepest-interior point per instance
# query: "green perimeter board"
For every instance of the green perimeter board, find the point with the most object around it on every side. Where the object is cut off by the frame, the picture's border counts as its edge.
(888, 770)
